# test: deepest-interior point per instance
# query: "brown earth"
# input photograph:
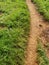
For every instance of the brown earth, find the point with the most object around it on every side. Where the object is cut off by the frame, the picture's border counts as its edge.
(45, 39)
(37, 24)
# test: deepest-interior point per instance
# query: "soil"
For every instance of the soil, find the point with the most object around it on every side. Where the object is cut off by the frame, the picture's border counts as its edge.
(45, 34)
(37, 25)
(45, 39)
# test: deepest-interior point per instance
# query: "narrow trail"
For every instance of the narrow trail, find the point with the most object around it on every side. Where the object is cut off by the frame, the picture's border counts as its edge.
(37, 24)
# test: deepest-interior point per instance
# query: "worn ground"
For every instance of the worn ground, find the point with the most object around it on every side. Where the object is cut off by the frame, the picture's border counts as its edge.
(37, 24)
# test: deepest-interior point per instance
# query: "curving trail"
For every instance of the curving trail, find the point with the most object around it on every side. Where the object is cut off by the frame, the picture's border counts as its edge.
(37, 24)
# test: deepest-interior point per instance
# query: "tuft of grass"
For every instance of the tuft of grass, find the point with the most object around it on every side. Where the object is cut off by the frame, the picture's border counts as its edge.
(42, 59)
(14, 31)
(43, 7)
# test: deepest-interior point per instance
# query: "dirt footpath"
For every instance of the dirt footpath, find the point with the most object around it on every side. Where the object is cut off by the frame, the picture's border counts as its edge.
(37, 24)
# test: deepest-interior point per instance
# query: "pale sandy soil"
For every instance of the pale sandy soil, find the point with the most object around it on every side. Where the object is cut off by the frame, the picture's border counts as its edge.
(37, 24)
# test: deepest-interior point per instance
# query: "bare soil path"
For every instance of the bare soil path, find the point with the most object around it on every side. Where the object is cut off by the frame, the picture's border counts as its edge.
(37, 24)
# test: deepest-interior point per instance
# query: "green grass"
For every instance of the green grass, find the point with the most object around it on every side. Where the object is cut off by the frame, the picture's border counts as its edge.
(43, 7)
(14, 30)
(42, 59)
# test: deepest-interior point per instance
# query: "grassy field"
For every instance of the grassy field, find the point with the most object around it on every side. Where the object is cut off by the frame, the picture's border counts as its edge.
(43, 7)
(42, 59)
(14, 30)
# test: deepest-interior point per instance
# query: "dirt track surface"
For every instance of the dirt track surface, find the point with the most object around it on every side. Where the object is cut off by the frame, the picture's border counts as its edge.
(37, 24)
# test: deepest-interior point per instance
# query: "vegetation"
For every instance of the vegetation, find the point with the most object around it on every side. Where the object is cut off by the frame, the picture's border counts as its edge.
(41, 58)
(14, 27)
(43, 7)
